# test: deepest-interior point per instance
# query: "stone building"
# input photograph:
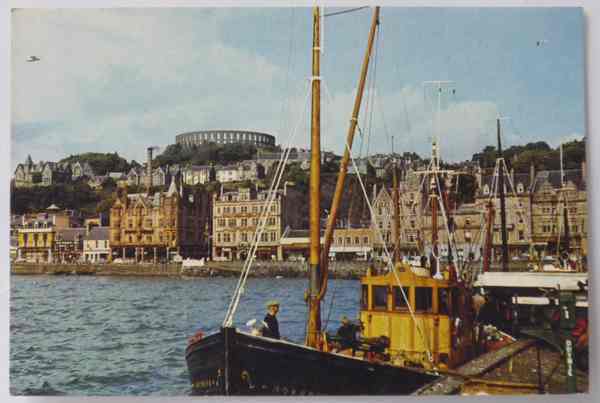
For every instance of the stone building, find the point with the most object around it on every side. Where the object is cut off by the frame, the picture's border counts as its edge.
(157, 227)
(549, 195)
(199, 138)
(81, 169)
(236, 216)
(517, 191)
(30, 174)
(198, 174)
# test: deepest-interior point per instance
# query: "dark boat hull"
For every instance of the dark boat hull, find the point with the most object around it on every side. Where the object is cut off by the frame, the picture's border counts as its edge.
(234, 363)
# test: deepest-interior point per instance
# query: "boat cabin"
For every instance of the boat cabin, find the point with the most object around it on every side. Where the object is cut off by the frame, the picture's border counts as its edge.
(442, 321)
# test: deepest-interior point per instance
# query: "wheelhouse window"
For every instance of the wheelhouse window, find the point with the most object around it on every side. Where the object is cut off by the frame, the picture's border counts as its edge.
(443, 301)
(364, 297)
(399, 300)
(423, 299)
(379, 297)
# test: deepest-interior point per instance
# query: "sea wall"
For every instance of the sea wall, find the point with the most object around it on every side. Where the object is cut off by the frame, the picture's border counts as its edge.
(347, 270)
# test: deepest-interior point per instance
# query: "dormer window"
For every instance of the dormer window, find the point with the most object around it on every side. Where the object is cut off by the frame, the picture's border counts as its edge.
(486, 190)
(520, 188)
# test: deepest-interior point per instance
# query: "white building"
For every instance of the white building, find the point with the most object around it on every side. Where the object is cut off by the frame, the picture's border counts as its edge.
(96, 247)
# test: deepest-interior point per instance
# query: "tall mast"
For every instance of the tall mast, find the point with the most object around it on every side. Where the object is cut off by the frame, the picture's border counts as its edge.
(396, 201)
(502, 201)
(339, 187)
(314, 318)
(563, 198)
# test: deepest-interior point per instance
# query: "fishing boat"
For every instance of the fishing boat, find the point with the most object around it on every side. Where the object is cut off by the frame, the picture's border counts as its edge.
(233, 362)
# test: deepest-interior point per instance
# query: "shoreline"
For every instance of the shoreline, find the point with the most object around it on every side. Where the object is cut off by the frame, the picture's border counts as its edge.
(346, 270)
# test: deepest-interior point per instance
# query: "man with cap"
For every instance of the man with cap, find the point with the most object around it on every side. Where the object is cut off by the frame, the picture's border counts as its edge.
(272, 329)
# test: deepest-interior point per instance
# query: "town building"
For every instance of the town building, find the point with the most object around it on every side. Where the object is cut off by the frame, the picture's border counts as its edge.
(30, 174)
(68, 245)
(96, 245)
(347, 244)
(236, 217)
(157, 227)
(549, 196)
(36, 242)
(198, 174)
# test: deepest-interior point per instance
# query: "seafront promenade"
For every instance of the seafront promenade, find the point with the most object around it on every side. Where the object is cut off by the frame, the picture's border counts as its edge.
(345, 270)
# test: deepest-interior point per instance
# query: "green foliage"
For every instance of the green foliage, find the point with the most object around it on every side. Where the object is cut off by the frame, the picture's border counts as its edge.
(204, 155)
(539, 154)
(104, 205)
(100, 163)
(467, 186)
(294, 173)
(76, 195)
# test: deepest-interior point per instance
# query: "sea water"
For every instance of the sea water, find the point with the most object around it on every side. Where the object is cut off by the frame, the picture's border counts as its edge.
(95, 335)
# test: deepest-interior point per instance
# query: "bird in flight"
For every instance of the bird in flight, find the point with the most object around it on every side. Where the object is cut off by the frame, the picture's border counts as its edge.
(541, 42)
(33, 59)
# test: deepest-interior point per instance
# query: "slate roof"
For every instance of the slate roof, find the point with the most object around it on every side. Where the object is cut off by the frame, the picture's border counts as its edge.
(69, 234)
(553, 178)
(98, 234)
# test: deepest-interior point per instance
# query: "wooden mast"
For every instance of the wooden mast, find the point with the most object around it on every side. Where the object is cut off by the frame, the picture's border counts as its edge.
(339, 187)
(314, 317)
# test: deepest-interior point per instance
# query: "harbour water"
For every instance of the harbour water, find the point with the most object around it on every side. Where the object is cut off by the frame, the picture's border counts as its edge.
(88, 335)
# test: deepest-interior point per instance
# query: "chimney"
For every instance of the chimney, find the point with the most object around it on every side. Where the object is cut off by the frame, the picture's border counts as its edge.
(149, 167)
(374, 191)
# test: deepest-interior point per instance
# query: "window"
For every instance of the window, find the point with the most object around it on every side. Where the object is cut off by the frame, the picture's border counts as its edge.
(263, 237)
(380, 297)
(232, 222)
(423, 299)
(244, 222)
(273, 236)
(356, 240)
(244, 237)
(443, 301)
(399, 301)
(348, 240)
(521, 235)
(218, 237)
(244, 209)
(366, 240)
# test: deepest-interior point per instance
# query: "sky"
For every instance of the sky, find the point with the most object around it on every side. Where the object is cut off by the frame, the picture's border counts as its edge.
(121, 80)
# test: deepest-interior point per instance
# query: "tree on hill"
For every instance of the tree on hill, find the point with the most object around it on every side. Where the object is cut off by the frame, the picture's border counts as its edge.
(101, 163)
(206, 154)
(539, 154)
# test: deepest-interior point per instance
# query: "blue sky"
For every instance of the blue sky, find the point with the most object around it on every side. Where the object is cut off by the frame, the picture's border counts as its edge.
(124, 79)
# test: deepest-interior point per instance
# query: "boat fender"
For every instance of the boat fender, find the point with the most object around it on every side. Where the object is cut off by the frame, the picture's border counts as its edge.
(196, 337)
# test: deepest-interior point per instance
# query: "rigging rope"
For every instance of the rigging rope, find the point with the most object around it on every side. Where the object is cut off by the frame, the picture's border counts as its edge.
(344, 11)
(228, 320)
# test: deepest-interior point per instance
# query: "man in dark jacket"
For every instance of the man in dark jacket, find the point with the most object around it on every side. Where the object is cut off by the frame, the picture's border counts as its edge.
(272, 329)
